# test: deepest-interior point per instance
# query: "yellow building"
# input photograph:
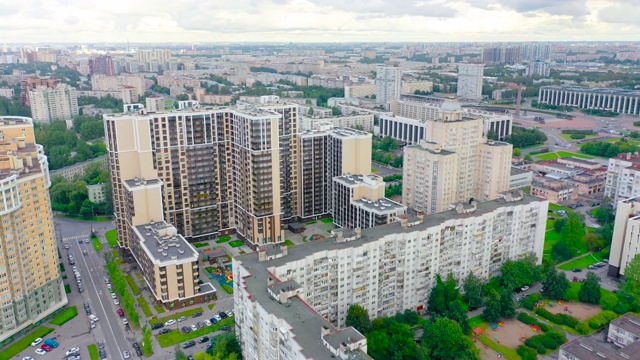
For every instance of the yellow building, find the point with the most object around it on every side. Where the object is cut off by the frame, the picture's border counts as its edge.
(31, 287)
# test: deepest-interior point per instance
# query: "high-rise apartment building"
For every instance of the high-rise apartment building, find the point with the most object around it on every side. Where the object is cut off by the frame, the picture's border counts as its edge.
(454, 163)
(31, 286)
(117, 83)
(386, 269)
(470, 81)
(154, 103)
(33, 82)
(621, 183)
(50, 104)
(538, 68)
(103, 65)
(388, 83)
(625, 244)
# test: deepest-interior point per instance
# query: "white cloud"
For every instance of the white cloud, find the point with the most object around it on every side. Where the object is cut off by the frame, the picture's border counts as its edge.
(317, 20)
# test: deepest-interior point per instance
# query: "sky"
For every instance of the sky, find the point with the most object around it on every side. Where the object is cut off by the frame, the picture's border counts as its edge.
(197, 21)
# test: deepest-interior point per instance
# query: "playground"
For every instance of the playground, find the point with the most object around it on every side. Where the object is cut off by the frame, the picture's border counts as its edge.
(223, 278)
(578, 310)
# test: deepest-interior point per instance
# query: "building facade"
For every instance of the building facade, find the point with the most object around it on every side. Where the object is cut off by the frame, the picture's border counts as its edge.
(470, 81)
(621, 101)
(59, 103)
(31, 83)
(76, 171)
(621, 180)
(96, 193)
(31, 285)
(538, 68)
(388, 83)
(625, 244)
(117, 83)
(390, 268)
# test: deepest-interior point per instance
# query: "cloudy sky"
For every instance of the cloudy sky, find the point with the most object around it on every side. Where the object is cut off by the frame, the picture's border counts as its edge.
(195, 21)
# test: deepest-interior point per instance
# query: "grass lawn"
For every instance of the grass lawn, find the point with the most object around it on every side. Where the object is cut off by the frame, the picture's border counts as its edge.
(550, 224)
(175, 316)
(227, 288)
(235, 243)
(477, 321)
(289, 243)
(327, 220)
(223, 239)
(550, 239)
(200, 244)
(67, 288)
(311, 222)
(144, 306)
(64, 316)
(546, 156)
(581, 262)
(132, 284)
(19, 346)
(116, 256)
(241, 252)
(159, 309)
(176, 336)
(96, 243)
(210, 306)
(93, 352)
(112, 238)
(556, 207)
(565, 154)
(573, 290)
(568, 137)
(507, 352)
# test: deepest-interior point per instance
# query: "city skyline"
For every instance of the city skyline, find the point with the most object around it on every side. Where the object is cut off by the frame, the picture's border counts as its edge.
(320, 21)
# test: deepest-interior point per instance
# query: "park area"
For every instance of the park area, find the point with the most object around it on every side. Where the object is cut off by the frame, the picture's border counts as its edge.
(580, 311)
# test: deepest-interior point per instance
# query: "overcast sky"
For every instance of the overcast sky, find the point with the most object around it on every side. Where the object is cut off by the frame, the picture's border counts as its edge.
(86, 21)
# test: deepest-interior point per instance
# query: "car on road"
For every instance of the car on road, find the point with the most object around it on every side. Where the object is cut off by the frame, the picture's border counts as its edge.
(84, 252)
(93, 318)
(46, 347)
(66, 246)
(157, 326)
(86, 240)
(225, 328)
(40, 351)
(76, 357)
(126, 354)
(195, 315)
(524, 288)
(182, 318)
(189, 344)
(27, 358)
(577, 270)
(203, 339)
(79, 241)
(169, 322)
(103, 354)
(37, 342)
(116, 301)
(194, 327)
(73, 351)
(164, 331)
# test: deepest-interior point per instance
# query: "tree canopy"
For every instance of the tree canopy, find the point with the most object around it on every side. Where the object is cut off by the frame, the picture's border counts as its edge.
(590, 291)
(473, 287)
(445, 301)
(358, 317)
(555, 283)
(444, 337)
(522, 137)
(520, 272)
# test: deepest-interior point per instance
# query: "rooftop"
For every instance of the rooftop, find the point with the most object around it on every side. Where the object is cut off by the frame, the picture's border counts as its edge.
(380, 206)
(595, 348)
(141, 183)
(611, 91)
(629, 323)
(164, 243)
(518, 171)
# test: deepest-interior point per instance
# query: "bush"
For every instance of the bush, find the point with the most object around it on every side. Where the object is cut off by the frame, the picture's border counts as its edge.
(527, 353)
(200, 244)
(530, 320)
(583, 328)
(560, 319)
(602, 319)
(636, 123)
(530, 302)
(534, 343)
(579, 132)
(577, 136)
(608, 300)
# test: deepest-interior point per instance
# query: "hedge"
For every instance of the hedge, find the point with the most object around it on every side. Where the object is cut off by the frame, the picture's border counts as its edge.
(527, 353)
(530, 302)
(530, 320)
(602, 319)
(560, 319)
(550, 340)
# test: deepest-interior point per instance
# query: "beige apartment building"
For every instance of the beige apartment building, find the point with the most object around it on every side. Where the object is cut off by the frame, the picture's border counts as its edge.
(154, 104)
(454, 163)
(625, 244)
(31, 286)
(50, 104)
(117, 83)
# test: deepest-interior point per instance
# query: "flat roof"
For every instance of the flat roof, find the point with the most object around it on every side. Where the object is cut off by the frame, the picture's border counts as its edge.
(301, 251)
(518, 171)
(629, 323)
(357, 179)
(581, 161)
(610, 91)
(164, 243)
(380, 206)
(437, 152)
(595, 348)
(141, 183)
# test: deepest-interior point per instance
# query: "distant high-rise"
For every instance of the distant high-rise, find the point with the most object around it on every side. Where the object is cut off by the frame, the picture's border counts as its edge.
(538, 68)
(388, 83)
(470, 81)
(31, 83)
(59, 103)
(103, 65)
(31, 284)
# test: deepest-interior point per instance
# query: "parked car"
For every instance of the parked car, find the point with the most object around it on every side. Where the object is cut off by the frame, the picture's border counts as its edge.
(51, 342)
(200, 324)
(213, 320)
(577, 270)
(40, 351)
(164, 331)
(27, 358)
(207, 322)
(195, 315)
(217, 317)
(169, 322)
(126, 354)
(189, 344)
(92, 325)
(37, 342)
(203, 339)
(93, 318)
(138, 352)
(230, 313)
(125, 321)
(157, 326)
(136, 345)
(194, 327)
(73, 351)
(225, 328)
(575, 279)
(46, 348)
(182, 318)
(120, 312)
(101, 344)
(113, 295)
(116, 302)
(186, 329)
(524, 288)
(103, 354)
(223, 315)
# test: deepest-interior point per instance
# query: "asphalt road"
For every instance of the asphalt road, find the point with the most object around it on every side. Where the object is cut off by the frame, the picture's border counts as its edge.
(92, 269)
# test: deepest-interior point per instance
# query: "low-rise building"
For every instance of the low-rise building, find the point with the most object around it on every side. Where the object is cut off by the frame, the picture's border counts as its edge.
(76, 171)
(96, 193)
(555, 191)
(362, 122)
(520, 179)
(624, 330)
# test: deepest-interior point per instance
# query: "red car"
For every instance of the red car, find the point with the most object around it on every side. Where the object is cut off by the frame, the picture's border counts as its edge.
(575, 279)
(120, 312)
(46, 348)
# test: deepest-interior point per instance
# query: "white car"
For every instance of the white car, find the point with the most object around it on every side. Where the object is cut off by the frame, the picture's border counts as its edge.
(182, 318)
(125, 321)
(126, 354)
(115, 301)
(230, 313)
(524, 288)
(93, 317)
(170, 322)
(37, 342)
(194, 327)
(40, 351)
(207, 322)
(27, 358)
(73, 351)
(113, 295)
(217, 317)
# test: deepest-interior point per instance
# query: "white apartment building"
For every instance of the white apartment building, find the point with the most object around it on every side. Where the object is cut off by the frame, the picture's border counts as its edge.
(624, 330)
(117, 83)
(390, 268)
(538, 68)
(362, 122)
(96, 193)
(622, 101)
(470, 81)
(626, 240)
(623, 178)
(388, 83)
(50, 104)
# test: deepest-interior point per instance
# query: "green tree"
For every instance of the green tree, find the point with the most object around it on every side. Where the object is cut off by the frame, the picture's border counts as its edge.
(443, 294)
(473, 286)
(629, 295)
(147, 345)
(528, 157)
(492, 306)
(590, 291)
(517, 152)
(561, 251)
(444, 338)
(390, 339)
(180, 355)
(507, 305)
(594, 241)
(520, 272)
(358, 317)
(555, 284)
(559, 225)
(573, 232)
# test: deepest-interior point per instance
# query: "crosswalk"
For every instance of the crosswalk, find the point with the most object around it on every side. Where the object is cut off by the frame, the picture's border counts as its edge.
(75, 238)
